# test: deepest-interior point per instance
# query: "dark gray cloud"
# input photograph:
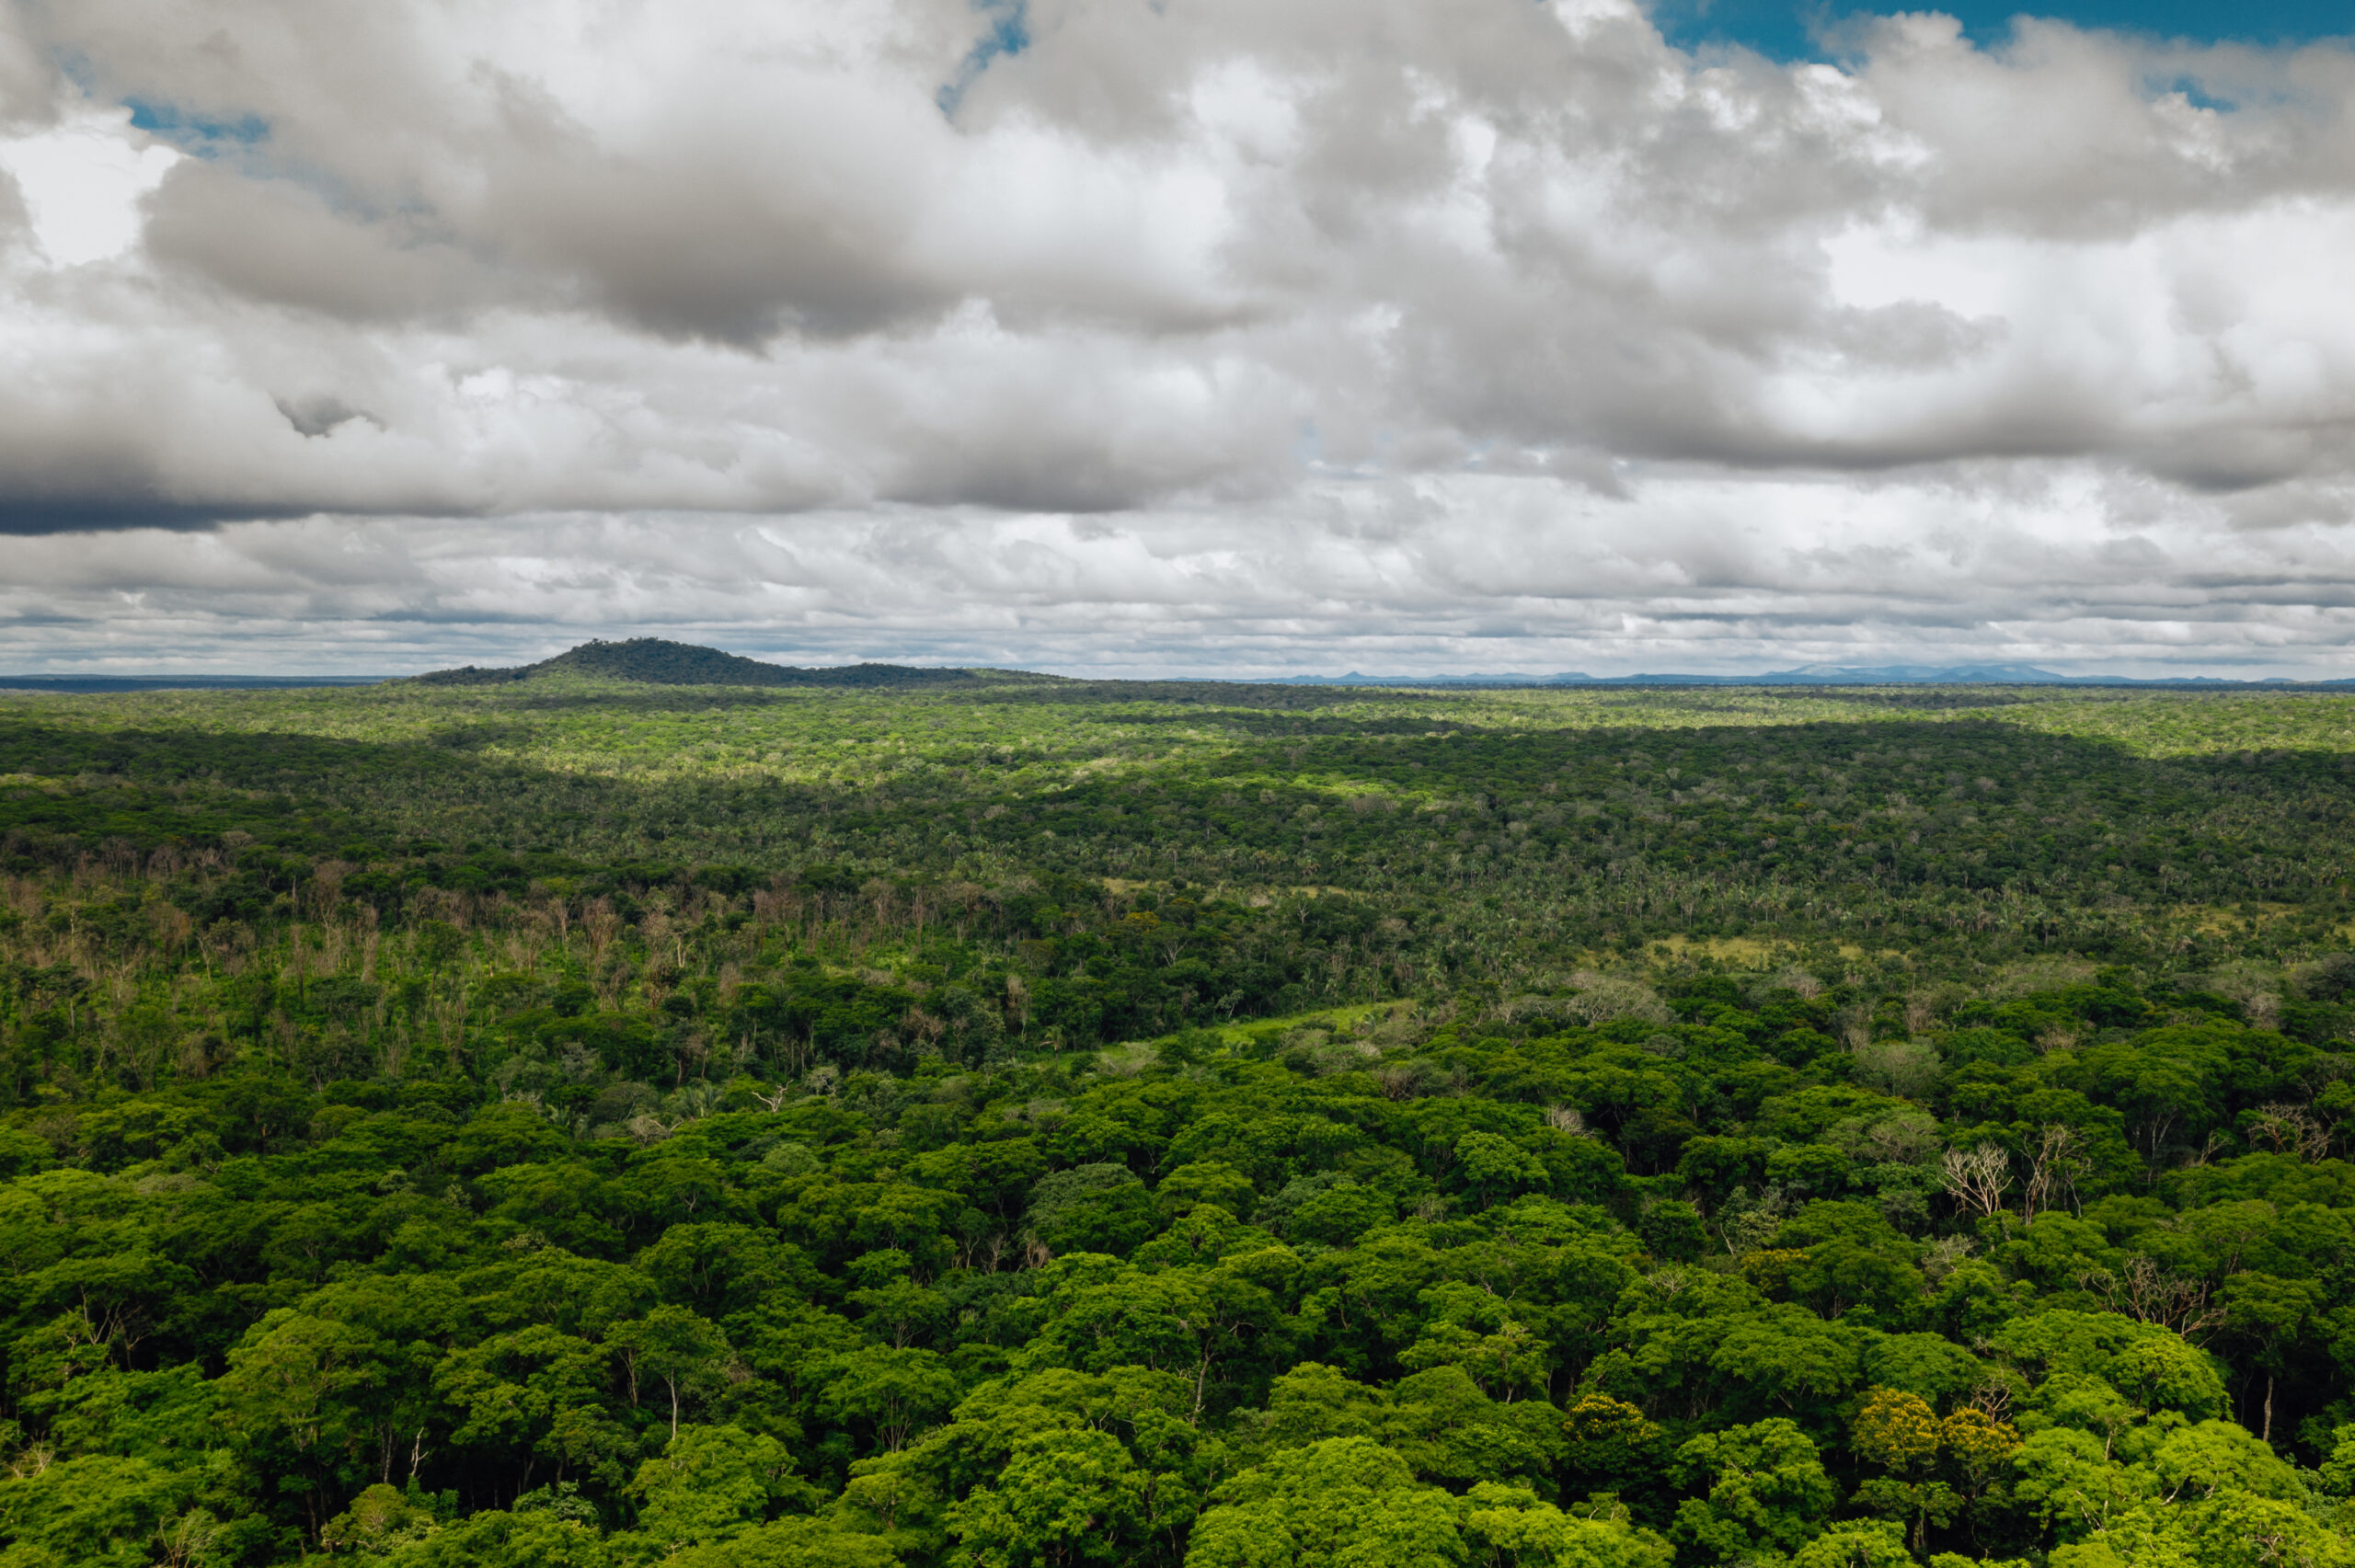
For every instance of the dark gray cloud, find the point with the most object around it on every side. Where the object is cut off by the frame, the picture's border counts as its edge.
(278, 242)
(1338, 315)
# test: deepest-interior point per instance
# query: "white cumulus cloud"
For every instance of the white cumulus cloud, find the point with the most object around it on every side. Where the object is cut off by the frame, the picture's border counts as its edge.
(1211, 335)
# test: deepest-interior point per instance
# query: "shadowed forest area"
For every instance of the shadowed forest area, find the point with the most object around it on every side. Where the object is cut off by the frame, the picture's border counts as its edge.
(550, 1117)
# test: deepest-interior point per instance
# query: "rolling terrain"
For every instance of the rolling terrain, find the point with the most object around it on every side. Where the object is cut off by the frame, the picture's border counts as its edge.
(652, 1106)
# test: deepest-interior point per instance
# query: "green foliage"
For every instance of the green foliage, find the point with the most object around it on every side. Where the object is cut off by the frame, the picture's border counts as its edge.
(897, 1122)
(1066, 1496)
(1341, 1500)
(710, 1484)
(1764, 1489)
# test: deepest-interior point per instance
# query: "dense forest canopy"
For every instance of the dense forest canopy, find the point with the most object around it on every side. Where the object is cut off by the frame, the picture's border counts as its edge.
(989, 1120)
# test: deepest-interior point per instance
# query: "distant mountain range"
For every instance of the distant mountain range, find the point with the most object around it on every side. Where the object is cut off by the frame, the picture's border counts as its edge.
(96, 684)
(1805, 675)
(664, 663)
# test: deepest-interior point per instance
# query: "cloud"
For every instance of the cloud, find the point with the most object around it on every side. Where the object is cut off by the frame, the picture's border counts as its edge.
(1701, 571)
(79, 184)
(1478, 323)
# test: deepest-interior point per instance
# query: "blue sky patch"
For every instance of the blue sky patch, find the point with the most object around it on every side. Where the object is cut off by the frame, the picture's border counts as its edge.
(1796, 29)
(200, 135)
(1005, 31)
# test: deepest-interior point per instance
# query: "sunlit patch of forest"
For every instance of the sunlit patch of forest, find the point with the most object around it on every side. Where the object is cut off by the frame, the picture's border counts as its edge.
(1006, 1121)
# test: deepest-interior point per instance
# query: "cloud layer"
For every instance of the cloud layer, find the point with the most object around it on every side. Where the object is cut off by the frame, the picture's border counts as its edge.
(1215, 335)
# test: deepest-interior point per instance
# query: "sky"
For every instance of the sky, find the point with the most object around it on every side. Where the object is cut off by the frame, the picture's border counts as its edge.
(1170, 336)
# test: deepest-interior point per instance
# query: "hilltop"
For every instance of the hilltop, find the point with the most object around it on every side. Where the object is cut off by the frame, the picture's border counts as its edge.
(659, 662)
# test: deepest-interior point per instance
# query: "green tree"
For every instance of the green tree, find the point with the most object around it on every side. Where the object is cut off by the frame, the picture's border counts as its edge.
(1857, 1544)
(890, 1391)
(1343, 1500)
(1492, 1168)
(791, 1543)
(1766, 1490)
(710, 1484)
(532, 1394)
(1098, 1207)
(98, 1510)
(379, 1521)
(1509, 1526)
(495, 1539)
(1068, 1497)
(675, 1348)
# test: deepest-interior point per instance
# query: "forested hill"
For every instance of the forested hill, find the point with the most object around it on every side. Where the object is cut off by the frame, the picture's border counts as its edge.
(1003, 1124)
(661, 663)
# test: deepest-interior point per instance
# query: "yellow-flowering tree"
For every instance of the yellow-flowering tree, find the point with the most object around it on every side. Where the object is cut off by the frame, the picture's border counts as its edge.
(1901, 1433)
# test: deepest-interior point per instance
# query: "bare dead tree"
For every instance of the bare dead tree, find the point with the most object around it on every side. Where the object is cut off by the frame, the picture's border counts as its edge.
(1993, 1399)
(2149, 1294)
(2289, 1129)
(2055, 1162)
(602, 925)
(1566, 1119)
(1979, 1179)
